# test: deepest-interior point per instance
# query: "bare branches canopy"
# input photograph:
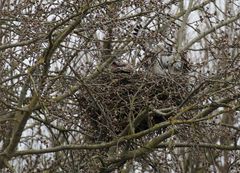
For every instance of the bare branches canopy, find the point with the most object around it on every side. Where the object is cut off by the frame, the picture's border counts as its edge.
(119, 86)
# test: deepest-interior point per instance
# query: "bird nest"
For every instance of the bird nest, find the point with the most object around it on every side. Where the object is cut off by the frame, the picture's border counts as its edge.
(110, 102)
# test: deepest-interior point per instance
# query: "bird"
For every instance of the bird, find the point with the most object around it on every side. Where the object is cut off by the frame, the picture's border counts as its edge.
(118, 66)
(136, 30)
(160, 58)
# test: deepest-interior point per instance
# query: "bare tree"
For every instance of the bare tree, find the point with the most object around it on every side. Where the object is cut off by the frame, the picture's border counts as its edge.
(119, 86)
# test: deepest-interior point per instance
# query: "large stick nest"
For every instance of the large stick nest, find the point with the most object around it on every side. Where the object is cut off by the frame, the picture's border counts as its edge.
(111, 101)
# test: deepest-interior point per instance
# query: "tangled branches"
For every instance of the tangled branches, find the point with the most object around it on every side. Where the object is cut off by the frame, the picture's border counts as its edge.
(112, 101)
